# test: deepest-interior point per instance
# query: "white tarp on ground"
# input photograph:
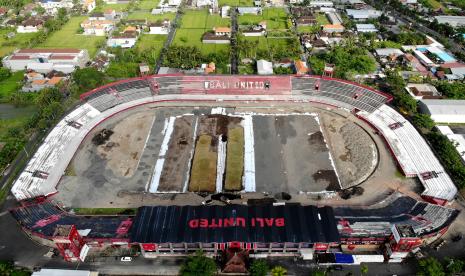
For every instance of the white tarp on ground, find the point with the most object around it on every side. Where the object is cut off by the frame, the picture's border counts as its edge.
(249, 155)
(168, 131)
(220, 164)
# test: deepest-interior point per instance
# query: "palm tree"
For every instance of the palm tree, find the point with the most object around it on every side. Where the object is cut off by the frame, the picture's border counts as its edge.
(278, 271)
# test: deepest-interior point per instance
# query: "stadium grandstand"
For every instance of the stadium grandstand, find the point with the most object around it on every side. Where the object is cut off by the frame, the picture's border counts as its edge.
(408, 147)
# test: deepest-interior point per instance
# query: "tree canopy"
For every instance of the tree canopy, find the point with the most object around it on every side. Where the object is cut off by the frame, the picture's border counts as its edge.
(198, 264)
(430, 267)
(259, 268)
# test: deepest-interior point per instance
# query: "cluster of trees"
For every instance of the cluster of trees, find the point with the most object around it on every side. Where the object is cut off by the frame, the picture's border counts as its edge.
(433, 267)
(349, 60)
(8, 269)
(408, 38)
(452, 90)
(187, 57)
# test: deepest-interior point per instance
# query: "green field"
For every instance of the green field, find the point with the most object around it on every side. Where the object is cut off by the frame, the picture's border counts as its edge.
(276, 19)
(150, 17)
(193, 37)
(203, 173)
(147, 4)
(308, 29)
(265, 44)
(234, 159)
(18, 41)
(194, 19)
(116, 7)
(147, 41)
(236, 3)
(10, 85)
(67, 37)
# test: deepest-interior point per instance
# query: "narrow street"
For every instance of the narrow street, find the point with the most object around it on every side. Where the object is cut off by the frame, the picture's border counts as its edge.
(234, 51)
(169, 39)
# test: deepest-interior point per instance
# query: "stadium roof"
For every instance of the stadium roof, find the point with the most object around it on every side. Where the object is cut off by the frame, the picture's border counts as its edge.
(191, 224)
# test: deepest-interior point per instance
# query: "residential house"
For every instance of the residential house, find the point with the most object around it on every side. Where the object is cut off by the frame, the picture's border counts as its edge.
(209, 68)
(366, 28)
(257, 30)
(39, 84)
(52, 6)
(46, 60)
(336, 28)
(96, 16)
(160, 27)
(249, 10)
(3, 11)
(124, 40)
(29, 9)
(321, 3)
(88, 5)
(30, 25)
(454, 21)
(264, 67)
(109, 14)
(300, 67)
(422, 90)
(362, 15)
(219, 35)
(306, 20)
(334, 18)
(285, 63)
(97, 27)
(144, 69)
(225, 11)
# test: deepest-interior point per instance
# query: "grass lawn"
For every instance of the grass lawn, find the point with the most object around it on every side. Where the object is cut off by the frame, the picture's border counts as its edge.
(321, 19)
(150, 17)
(18, 41)
(116, 7)
(434, 4)
(234, 159)
(194, 19)
(308, 29)
(214, 48)
(67, 37)
(147, 41)
(214, 20)
(10, 85)
(147, 4)
(203, 173)
(276, 19)
(189, 37)
(234, 3)
(104, 211)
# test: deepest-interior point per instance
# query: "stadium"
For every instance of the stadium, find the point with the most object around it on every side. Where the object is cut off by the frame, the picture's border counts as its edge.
(294, 166)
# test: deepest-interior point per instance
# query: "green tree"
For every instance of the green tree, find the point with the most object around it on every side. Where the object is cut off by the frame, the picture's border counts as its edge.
(364, 269)
(423, 121)
(405, 102)
(454, 266)
(318, 273)
(430, 267)
(4, 73)
(88, 78)
(259, 268)
(279, 271)
(198, 264)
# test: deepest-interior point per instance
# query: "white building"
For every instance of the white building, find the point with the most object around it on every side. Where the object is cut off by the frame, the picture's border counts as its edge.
(319, 4)
(88, 5)
(52, 6)
(97, 27)
(444, 111)
(361, 15)
(160, 27)
(46, 60)
(30, 25)
(454, 21)
(124, 40)
(264, 67)
(225, 11)
(385, 52)
(366, 28)
(420, 90)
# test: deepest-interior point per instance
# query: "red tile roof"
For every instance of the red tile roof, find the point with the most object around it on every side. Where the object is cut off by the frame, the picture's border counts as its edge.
(56, 51)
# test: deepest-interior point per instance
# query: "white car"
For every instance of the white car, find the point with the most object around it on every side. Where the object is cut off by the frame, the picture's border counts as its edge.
(126, 259)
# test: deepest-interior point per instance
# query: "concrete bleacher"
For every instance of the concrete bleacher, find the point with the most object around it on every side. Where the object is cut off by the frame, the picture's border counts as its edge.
(425, 218)
(413, 154)
(34, 180)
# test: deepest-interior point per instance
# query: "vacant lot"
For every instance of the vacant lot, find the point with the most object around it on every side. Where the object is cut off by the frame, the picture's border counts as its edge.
(193, 37)
(276, 19)
(203, 173)
(235, 159)
(10, 85)
(235, 3)
(194, 19)
(147, 4)
(8, 45)
(68, 37)
(151, 42)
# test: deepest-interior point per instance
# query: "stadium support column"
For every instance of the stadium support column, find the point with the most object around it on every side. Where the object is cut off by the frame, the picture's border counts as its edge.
(68, 242)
